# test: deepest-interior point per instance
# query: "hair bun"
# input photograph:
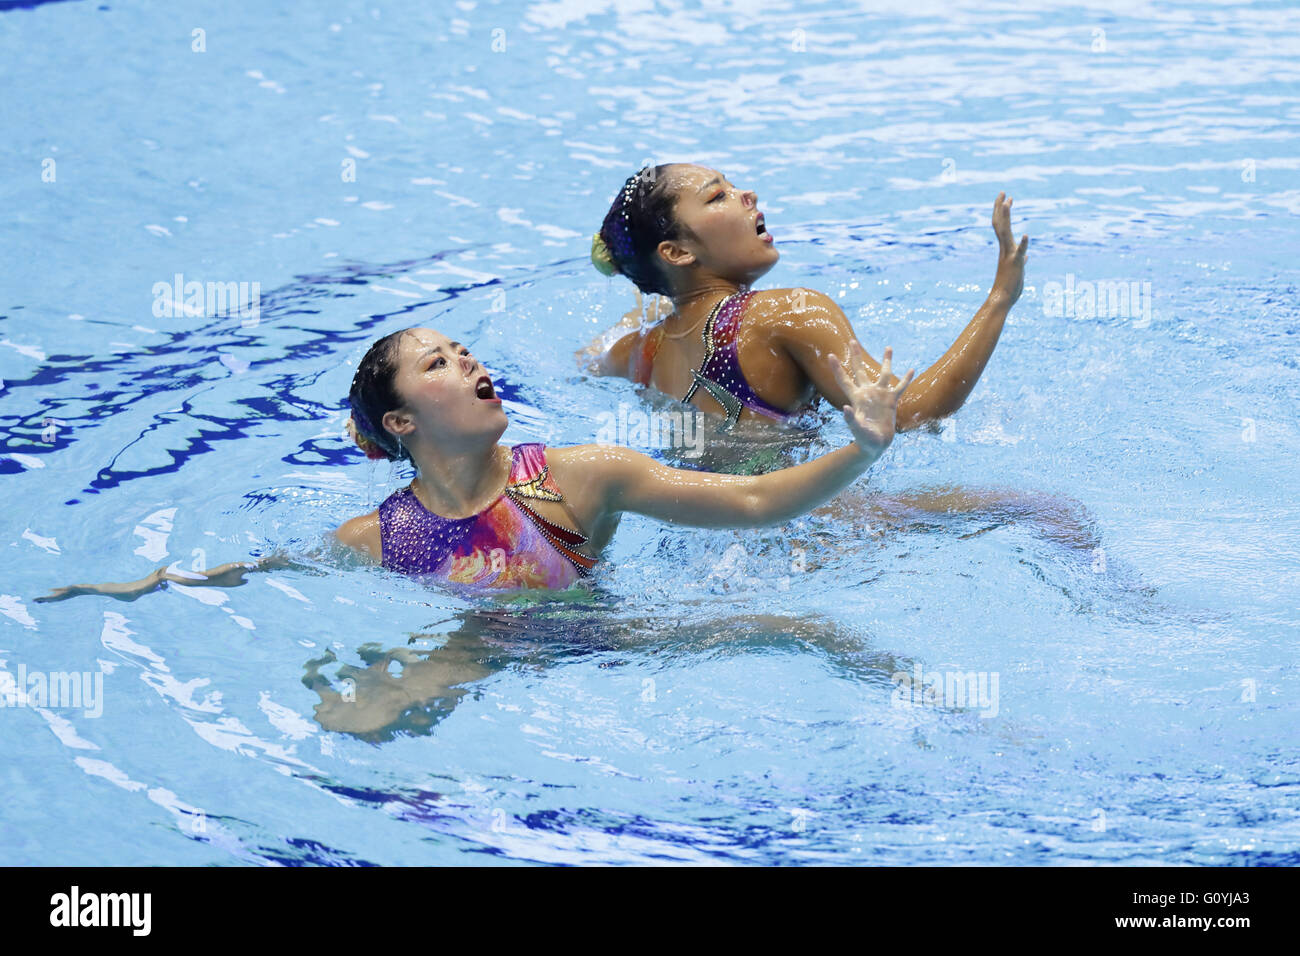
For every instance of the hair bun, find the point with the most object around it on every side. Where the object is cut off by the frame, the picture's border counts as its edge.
(372, 450)
(601, 257)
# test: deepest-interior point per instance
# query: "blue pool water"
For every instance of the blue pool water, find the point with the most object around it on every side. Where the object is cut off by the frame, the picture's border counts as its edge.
(724, 697)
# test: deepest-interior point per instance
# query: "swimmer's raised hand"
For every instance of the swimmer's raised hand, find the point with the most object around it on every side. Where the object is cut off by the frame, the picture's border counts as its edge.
(873, 402)
(1010, 278)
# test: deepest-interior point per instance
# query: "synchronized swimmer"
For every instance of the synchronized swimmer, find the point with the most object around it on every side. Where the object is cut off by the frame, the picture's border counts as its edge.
(685, 232)
(485, 517)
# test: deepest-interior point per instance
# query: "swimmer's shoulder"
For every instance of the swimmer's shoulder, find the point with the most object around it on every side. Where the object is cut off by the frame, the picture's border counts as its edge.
(790, 316)
(594, 456)
(618, 360)
(588, 474)
(581, 469)
(362, 534)
(779, 307)
(591, 479)
(632, 355)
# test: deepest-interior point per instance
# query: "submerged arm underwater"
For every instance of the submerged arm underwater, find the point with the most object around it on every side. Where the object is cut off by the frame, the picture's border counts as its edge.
(229, 575)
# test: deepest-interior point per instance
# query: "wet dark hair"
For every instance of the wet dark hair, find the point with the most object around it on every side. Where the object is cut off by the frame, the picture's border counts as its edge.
(373, 394)
(642, 216)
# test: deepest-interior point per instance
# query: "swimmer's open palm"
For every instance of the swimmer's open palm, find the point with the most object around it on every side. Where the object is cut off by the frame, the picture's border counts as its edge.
(1010, 278)
(873, 404)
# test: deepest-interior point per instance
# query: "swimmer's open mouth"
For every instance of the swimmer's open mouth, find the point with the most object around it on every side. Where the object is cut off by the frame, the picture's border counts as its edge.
(483, 388)
(760, 225)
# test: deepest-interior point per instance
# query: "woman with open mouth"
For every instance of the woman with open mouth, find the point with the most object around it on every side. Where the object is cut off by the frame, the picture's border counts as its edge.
(483, 517)
(684, 231)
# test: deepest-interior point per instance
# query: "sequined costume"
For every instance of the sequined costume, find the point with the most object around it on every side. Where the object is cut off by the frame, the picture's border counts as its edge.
(506, 546)
(719, 374)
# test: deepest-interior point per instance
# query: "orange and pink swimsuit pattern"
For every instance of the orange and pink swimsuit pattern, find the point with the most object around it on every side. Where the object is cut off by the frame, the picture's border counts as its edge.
(507, 546)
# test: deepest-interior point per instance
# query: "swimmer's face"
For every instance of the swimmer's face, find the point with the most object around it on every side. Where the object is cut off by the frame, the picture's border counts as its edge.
(449, 396)
(731, 238)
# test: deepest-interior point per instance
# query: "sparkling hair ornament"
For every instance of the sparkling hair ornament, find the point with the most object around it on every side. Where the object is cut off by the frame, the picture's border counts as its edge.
(360, 430)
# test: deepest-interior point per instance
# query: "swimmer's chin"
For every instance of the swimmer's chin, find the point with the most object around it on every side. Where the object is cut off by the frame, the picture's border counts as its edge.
(774, 256)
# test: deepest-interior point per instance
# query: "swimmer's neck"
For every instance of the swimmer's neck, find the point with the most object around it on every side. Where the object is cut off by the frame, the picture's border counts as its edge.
(707, 291)
(463, 483)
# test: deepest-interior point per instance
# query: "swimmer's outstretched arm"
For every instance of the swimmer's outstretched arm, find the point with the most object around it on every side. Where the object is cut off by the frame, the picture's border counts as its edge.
(230, 575)
(821, 329)
(603, 480)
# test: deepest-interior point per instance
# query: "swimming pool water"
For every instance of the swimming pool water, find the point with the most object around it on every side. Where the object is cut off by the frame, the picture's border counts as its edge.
(723, 697)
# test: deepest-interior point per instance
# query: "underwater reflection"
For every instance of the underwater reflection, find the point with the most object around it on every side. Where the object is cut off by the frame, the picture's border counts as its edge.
(408, 691)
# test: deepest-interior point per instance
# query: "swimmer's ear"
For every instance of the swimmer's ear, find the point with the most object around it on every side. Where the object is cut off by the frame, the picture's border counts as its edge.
(398, 424)
(675, 254)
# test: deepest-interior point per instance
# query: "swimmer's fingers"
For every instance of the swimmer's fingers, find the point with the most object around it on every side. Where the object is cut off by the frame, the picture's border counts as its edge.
(121, 591)
(872, 414)
(1006, 238)
(892, 393)
(62, 594)
(862, 362)
(886, 366)
(1000, 215)
(1002, 224)
(847, 383)
(837, 371)
(889, 393)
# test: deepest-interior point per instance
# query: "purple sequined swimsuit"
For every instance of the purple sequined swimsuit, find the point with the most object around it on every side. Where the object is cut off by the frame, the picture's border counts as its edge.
(507, 545)
(720, 375)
